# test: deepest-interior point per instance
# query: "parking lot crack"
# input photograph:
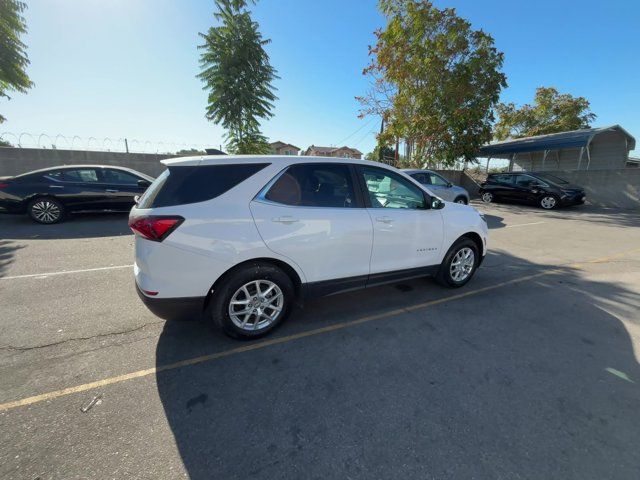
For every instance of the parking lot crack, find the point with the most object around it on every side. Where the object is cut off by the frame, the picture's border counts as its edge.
(77, 339)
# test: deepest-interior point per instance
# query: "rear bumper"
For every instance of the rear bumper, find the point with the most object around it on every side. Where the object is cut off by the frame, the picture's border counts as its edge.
(181, 308)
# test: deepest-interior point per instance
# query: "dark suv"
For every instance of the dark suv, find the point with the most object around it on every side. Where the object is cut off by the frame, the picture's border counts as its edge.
(542, 189)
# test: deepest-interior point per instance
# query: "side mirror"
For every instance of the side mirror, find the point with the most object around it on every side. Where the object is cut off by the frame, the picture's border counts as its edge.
(449, 185)
(144, 183)
(136, 199)
(436, 203)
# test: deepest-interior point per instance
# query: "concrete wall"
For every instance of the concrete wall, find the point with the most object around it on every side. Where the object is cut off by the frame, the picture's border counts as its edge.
(619, 188)
(14, 161)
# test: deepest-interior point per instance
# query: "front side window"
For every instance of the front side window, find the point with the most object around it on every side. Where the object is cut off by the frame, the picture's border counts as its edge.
(389, 190)
(437, 180)
(421, 178)
(73, 175)
(311, 185)
(525, 181)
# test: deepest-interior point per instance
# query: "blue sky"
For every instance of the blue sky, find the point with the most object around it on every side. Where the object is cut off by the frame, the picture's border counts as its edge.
(126, 68)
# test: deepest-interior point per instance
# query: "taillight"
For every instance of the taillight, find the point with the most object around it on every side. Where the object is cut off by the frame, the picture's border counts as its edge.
(155, 228)
(4, 185)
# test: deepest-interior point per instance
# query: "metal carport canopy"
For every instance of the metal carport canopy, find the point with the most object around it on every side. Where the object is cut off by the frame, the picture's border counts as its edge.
(554, 141)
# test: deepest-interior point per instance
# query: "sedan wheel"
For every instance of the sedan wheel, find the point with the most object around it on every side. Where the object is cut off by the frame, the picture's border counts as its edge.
(487, 197)
(46, 210)
(256, 305)
(461, 200)
(549, 202)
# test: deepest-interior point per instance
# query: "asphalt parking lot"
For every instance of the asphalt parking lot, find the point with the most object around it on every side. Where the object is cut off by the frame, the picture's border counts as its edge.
(530, 371)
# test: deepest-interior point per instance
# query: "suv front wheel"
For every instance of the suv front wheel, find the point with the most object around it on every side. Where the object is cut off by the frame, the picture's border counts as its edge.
(459, 264)
(252, 300)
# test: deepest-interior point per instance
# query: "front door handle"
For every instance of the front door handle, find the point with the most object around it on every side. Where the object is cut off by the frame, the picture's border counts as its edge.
(110, 190)
(287, 219)
(384, 219)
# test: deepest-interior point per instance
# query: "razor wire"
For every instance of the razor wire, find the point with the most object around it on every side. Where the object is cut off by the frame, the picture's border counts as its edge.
(97, 144)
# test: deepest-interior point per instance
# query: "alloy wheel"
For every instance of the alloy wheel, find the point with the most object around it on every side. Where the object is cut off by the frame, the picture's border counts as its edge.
(548, 202)
(462, 264)
(256, 305)
(487, 197)
(461, 201)
(46, 211)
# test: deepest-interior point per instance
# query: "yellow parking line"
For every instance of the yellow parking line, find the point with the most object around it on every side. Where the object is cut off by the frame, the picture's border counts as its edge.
(289, 338)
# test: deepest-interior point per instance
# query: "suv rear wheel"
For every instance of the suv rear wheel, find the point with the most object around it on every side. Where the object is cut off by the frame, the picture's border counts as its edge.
(487, 197)
(459, 264)
(252, 300)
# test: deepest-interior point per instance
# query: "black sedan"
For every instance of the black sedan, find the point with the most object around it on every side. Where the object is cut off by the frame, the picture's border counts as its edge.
(48, 195)
(547, 191)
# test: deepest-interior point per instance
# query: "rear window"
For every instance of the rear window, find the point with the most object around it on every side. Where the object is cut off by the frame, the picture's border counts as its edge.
(192, 184)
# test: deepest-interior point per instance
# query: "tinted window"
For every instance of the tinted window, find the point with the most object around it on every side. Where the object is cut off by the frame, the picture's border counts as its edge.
(324, 185)
(191, 184)
(438, 180)
(120, 177)
(73, 175)
(502, 179)
(525, 181)
(389, 190)
(421, 178)
(552, 178)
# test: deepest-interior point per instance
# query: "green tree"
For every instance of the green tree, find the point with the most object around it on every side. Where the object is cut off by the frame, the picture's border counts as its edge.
(236, 71)
(13, 52)
(436, 81)
(551, 112)
(381, 153)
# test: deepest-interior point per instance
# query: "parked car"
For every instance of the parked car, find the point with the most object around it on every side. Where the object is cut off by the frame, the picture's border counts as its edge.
(48, 195)
(543, 189)
(241, 239)
(440, 186)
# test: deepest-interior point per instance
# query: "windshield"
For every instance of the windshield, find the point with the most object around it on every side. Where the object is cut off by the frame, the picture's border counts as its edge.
(552, 179)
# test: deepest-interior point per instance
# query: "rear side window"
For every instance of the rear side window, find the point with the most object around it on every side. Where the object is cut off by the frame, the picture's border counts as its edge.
(501, 179)
(310, 185)
(192, 184)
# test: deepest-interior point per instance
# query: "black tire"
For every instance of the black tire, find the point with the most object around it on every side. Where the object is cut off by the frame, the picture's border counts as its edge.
(444, 276)
(487, 197)
(233, 282)
(462, 200)
(46, 210)
(548, 202)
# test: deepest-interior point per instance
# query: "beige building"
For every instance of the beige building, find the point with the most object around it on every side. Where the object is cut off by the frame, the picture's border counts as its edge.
(281, 148)
(339, 152)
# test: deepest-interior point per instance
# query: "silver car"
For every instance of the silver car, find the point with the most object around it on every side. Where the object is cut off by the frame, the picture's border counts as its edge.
(440, 185)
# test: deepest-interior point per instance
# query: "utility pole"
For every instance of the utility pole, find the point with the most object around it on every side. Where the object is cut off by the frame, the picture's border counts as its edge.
(126, 145)
(380, 149)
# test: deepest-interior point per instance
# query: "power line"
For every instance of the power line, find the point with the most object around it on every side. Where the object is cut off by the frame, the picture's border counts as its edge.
(353, 133)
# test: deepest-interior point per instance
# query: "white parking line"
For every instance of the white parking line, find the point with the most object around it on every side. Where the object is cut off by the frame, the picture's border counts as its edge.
(64, 272)
(523, 224)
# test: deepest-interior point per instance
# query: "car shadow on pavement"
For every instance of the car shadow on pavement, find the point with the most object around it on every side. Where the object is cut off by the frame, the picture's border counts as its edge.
(21, 227)
(537, 379)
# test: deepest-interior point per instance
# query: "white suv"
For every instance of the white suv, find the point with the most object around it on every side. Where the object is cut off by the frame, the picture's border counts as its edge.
(242, 238)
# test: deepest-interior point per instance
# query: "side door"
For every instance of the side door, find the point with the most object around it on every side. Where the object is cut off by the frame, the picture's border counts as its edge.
(525, 188)
(501, 185)
(314, 215)
(440, 186)
(78, 188)
(121, 187)
(407, 234)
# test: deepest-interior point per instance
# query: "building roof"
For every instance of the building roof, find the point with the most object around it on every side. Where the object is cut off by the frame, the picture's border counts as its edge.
(553, 141)
(333, 149)
(279, 144)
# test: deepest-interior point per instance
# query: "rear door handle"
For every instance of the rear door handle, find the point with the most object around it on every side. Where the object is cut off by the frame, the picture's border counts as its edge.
(56, 186)
(384, 219)
(110, 190)
(286, 219)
